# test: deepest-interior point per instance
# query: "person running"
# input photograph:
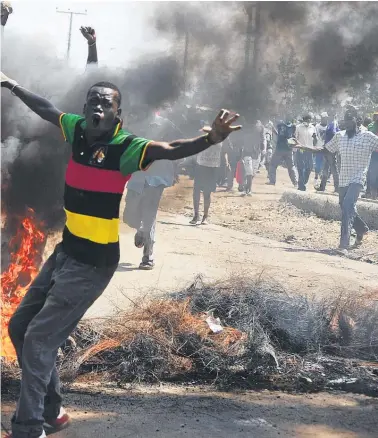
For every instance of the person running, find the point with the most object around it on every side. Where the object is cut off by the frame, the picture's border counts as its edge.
(82, 265)
(306, 135)
(205, 179)
(355, 148)
(252, 155)
(144, 192)
(283, 152)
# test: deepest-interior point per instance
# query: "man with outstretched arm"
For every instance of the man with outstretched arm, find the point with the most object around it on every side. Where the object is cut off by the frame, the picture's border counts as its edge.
(355, 148)
(82, 265)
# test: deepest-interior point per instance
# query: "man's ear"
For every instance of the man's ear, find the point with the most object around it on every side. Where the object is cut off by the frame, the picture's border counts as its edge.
(118, 116)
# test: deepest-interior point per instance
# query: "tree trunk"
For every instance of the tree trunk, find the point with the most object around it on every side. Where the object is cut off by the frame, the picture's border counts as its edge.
(257, 37)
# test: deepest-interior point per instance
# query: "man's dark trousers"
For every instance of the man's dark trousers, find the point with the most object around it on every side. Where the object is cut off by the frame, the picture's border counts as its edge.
(54, 304)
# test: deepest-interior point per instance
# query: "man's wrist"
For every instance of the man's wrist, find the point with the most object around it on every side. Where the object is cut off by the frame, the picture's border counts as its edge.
(11, 85)
(214, 138)
(91, 44)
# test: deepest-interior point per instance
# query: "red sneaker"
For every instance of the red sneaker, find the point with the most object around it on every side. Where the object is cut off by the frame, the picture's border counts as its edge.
(61, 422)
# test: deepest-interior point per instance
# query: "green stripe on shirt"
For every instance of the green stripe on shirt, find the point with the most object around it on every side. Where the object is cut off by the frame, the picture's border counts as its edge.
(133, 157)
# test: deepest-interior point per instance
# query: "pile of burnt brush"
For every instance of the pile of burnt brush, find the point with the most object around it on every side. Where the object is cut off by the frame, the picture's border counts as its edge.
(268, 339)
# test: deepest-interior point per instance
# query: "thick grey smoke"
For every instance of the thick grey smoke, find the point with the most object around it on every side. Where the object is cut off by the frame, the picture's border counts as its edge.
(345, 46)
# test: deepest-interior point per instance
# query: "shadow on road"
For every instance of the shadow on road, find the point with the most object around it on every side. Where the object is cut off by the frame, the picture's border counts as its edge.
(126, 267)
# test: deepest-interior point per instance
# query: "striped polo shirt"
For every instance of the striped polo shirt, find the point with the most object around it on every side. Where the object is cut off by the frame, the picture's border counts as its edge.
(95, 179)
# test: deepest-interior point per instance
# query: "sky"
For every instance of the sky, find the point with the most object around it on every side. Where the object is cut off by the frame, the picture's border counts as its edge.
(124, 29)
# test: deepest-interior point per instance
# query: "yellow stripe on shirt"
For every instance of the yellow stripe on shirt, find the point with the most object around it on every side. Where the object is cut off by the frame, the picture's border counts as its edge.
(61, 126)
(142, 156)
(92, 228)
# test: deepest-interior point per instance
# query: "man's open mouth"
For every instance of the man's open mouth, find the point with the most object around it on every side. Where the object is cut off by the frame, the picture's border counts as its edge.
(96, 118)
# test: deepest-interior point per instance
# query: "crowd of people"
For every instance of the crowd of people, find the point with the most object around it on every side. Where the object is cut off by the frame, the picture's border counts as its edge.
(106, 157)
(347, 149)
(275, 145)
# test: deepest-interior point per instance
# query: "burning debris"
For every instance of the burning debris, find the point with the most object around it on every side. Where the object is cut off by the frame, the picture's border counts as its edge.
(268, 338)
(25, 250)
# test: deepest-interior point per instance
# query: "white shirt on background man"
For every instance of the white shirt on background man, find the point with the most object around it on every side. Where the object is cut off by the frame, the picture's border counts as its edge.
(305, 134)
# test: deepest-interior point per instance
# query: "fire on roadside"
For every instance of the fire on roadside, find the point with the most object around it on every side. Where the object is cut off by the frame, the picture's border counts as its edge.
(23, 268)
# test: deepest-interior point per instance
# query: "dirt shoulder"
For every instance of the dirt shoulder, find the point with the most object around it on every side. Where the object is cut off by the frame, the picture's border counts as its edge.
(173, 412)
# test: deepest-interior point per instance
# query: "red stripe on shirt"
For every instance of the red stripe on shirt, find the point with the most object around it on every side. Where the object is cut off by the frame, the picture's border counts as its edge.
(94, 179)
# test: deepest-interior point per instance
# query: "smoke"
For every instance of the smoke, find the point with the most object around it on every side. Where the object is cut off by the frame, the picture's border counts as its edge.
(346, 45)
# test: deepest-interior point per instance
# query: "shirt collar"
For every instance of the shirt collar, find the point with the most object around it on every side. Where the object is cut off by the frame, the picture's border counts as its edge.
(108, 136)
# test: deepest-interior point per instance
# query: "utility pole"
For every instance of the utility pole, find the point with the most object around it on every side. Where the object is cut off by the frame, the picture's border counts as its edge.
(72, 13)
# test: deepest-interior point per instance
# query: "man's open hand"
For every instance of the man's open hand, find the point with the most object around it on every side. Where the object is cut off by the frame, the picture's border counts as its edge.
(6, 10)
(222, 126)
(89, 34)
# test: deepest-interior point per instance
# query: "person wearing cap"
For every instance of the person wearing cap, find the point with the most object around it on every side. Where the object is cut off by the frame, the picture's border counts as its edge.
(307, 136)
(372, 177)
(321, 128)
(355, 148)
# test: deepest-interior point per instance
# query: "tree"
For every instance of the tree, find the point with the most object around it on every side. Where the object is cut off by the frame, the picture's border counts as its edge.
(291, 82)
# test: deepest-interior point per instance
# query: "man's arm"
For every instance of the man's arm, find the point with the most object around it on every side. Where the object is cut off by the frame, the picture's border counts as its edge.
(373, 142)
(90, 35)
(37, 104)
(333, 145)
(220, 130)
(139, 153)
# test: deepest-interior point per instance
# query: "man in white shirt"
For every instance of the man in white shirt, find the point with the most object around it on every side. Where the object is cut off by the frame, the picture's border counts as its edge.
(205, 179)
(306, 135)
(355, 148)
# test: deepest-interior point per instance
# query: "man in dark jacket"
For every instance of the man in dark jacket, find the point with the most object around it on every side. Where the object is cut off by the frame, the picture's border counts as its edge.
(283, 152)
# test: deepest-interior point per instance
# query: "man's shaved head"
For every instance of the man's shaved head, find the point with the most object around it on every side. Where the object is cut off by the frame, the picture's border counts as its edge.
(105, 84)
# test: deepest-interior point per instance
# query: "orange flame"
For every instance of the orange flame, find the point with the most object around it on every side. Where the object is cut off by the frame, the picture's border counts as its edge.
(22, 270)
